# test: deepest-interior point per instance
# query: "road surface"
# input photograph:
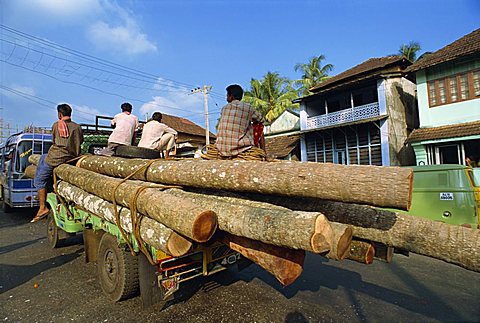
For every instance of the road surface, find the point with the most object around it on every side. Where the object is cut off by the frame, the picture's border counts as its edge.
(39, 284)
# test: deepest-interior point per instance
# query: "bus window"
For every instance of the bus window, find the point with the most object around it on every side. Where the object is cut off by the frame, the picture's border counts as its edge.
(24, 150)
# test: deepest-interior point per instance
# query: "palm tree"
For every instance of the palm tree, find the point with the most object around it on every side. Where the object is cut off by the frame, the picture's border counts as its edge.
(271, 96)
(313, 73)
(409, 51)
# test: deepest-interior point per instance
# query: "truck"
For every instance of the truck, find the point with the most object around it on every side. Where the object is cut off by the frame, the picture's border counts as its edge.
(447, 193)
(123, 272)
(16, 190)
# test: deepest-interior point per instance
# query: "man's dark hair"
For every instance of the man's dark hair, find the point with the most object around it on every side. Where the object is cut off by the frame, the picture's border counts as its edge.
(157, 116)
(64, 109)
(236, 91)
(126, 107)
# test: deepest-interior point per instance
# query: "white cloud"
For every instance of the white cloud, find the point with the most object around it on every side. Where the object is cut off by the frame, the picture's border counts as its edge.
(17, 92)
(175, 103)
(62, 9)
(121, 39)
(85, 113)
(23, 89)
(124, 36)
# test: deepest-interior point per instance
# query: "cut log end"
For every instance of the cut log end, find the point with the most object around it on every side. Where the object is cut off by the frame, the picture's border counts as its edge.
(284, 263)
(322, 238)
(362, 252)
(177, 245)
(204, 226)
(343, 247)
(319, 243)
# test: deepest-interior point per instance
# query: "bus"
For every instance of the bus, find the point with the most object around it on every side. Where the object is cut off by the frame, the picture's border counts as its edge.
(15, 188)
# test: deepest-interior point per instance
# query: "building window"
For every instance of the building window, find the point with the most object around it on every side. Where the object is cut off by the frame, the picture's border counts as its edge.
(476, 82)
(455, 88)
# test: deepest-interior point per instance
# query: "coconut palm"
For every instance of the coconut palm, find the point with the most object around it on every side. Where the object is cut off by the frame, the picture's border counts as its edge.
(409, 51)
(313, 73)
(271, 96)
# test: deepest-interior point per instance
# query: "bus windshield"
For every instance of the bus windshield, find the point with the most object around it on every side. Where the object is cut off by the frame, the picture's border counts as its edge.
(25, 149)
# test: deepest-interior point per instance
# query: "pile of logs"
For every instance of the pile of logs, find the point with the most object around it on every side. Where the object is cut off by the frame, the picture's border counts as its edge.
(271, 212)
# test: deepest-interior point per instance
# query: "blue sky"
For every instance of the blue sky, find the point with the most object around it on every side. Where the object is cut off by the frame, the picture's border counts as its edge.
(96, 54)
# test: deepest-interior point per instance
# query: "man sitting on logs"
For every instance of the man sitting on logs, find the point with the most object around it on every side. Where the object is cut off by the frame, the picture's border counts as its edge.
(235, 138)
(124, 125)
(67, 138)
(157, 135)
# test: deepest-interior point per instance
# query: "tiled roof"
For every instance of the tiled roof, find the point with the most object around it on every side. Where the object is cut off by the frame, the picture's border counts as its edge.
(468, 44)
(370, 68)
(450, 131)
(183, 125)
(280, 146)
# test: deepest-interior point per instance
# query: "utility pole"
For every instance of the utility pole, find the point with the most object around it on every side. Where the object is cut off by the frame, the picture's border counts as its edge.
(205, 90)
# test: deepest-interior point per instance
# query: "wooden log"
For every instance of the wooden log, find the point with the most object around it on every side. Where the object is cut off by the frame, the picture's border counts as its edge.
(30, 171)
(283, 263)
(342, 237)
(265, 222)
(179, 214)
(151, 231)
(454, 244)
(361, 251)
(272, 224)
(373, 185)
(34, 159)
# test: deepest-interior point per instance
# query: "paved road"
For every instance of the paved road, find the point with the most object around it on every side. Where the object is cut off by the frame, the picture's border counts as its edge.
(411, 289)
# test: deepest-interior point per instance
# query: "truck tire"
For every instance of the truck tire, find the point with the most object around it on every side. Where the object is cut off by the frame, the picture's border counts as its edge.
(117, 270)
(54, 240)
(136, 152)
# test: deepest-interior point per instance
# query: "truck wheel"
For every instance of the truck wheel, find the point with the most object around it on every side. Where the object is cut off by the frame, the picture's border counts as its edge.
(136, 152)
(117, 270)
(54, 240)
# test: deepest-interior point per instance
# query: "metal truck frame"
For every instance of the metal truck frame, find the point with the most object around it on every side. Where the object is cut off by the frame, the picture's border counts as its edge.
(123, 275)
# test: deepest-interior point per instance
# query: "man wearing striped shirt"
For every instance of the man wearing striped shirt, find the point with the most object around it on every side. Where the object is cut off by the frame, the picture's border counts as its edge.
(235, 129)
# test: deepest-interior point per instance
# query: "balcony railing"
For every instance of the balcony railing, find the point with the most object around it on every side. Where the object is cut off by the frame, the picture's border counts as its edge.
(348, 115)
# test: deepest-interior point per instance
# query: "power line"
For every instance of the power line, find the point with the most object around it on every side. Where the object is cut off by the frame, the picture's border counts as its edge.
(88, 57)
(47, 58)
(35, 99)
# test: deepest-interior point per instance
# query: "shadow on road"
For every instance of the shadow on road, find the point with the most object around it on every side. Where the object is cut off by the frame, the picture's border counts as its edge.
(19, 245)
(12, 276)
(20, 216)
(319, 274)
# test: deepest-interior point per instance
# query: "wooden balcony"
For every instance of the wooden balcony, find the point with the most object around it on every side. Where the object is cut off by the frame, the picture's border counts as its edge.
(344, 116)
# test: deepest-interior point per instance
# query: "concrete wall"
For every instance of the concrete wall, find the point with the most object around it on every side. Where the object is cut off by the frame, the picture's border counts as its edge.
(447, 114)
(287, 121)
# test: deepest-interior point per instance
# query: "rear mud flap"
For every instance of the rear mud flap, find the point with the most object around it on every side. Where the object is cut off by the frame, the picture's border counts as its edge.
(150, 292)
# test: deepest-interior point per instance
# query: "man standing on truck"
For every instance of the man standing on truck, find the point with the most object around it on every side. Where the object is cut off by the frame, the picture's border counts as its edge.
(157, 135)
(235, 129)
(124, 125)
(67, 138)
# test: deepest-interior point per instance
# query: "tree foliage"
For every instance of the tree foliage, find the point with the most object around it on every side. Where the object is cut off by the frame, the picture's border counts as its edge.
(271, 96)
(313, 73)
(410, 50)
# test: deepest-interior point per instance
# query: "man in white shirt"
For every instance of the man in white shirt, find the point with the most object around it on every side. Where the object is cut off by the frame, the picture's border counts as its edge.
(124, 125)
(157, 135)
